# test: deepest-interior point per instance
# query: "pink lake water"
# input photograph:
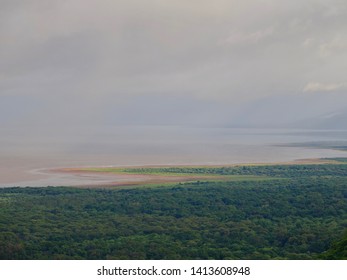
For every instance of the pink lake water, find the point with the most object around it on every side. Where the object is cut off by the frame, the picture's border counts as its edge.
(27, 156)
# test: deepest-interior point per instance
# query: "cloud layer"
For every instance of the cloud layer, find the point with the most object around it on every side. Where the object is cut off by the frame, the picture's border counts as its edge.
(76, 61)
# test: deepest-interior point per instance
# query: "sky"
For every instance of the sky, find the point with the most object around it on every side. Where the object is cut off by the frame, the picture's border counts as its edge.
(80, 63)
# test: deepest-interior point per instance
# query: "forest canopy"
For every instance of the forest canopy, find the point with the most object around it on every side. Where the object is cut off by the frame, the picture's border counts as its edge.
(301, 213)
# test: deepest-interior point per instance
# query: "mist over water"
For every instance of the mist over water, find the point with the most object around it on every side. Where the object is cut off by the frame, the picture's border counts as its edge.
(70, 71)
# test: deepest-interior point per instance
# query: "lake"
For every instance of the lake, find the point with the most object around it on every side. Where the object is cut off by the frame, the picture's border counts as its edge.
(27, 154)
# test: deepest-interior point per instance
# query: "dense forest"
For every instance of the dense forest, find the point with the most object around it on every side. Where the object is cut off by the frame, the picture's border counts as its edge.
(301, 213)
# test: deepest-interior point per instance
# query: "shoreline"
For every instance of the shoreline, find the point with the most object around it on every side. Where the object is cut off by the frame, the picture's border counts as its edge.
(81, 177)
(292, 162)
(119, 179)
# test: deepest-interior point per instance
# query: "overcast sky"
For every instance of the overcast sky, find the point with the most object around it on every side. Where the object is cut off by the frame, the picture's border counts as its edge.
(169, 61)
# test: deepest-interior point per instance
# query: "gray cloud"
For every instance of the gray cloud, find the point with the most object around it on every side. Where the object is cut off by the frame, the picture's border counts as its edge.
(76, 61)
(319, 87)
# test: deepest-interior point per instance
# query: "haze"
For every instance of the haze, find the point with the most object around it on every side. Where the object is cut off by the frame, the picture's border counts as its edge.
(77, 62)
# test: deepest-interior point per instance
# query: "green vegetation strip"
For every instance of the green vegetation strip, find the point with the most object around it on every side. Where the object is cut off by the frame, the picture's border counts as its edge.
(286, 171)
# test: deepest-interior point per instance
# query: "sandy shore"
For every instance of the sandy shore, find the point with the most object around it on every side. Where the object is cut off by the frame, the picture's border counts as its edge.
(123, 179)
(94, 179)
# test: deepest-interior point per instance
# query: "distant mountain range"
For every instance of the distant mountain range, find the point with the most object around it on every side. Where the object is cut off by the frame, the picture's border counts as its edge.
(309, 111)
(334, 120)
(319, 110)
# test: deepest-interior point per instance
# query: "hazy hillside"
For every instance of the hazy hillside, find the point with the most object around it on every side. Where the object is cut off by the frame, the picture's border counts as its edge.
(311, 111)
(334, 120)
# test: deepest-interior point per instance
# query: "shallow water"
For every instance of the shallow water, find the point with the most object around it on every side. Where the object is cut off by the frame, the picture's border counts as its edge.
(25, 155)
